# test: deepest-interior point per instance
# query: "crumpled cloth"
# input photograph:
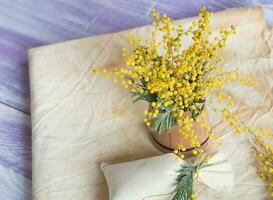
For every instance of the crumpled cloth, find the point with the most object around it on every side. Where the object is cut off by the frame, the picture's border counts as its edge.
(80, 121)
(156, 177)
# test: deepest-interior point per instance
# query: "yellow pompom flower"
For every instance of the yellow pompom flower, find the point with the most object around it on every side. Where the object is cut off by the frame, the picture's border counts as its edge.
(259, 138)
(195, 152)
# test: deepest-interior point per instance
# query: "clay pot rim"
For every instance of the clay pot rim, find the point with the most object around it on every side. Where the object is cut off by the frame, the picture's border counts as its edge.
(171, 149)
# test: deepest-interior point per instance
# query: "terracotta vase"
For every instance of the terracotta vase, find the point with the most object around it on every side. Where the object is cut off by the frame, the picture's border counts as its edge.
(169, 141)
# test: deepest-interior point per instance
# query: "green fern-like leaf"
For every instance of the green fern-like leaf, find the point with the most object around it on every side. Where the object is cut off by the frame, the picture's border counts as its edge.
(184, 188)
(144, 97)
(163, 122)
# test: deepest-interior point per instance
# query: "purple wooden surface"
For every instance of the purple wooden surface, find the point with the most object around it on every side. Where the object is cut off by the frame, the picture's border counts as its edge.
(15, 154)
(30, 23)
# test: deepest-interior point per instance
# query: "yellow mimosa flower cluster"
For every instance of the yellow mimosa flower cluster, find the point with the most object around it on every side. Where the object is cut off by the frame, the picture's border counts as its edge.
(176, 77)
(260, 139)
(173, 78)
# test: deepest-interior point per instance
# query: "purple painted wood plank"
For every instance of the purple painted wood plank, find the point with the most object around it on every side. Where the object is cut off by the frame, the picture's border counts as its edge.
(15, 154)
(13, 185)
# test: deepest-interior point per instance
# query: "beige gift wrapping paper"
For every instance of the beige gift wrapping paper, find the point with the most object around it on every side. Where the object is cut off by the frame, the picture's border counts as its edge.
(79, 120)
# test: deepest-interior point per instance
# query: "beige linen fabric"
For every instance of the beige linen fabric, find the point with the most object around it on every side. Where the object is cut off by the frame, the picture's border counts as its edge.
(80, 121)
(143, 179)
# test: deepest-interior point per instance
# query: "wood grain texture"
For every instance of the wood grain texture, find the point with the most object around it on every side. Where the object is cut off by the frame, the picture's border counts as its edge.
(15, 154)
(173, 140)
(30, 23)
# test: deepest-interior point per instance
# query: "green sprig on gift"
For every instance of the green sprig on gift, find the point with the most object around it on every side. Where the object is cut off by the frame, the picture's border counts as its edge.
(184, 189)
